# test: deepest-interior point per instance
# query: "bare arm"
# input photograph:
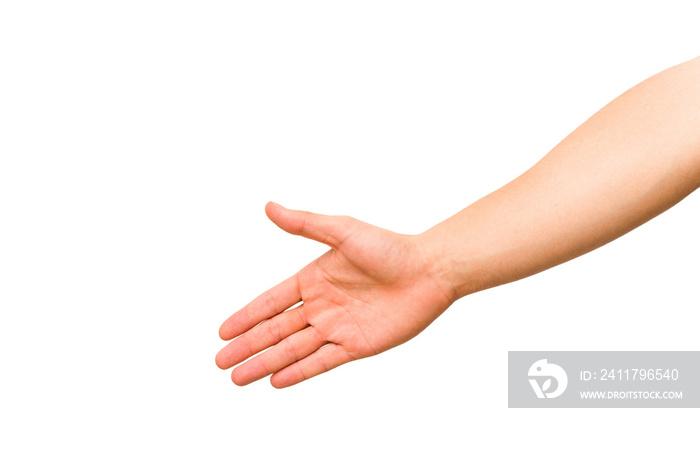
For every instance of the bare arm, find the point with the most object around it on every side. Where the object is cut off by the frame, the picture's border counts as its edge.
(375, 289)
(632, 160)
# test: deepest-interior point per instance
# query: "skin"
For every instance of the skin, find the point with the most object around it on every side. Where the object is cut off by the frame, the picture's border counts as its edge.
(376, 289)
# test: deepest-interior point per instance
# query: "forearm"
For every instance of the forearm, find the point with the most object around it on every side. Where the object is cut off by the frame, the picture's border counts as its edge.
(632, 160)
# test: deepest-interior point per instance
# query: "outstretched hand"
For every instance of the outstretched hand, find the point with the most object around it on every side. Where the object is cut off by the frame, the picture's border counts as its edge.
(371, 291)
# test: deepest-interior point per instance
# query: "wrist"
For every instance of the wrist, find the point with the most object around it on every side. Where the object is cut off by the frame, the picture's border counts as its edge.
(438, 263)
(452, 264)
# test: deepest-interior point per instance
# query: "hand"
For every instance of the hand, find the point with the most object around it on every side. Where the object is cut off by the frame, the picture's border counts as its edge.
(372, 291)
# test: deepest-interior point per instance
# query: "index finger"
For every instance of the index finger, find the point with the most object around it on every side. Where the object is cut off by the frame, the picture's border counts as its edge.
(268, 304)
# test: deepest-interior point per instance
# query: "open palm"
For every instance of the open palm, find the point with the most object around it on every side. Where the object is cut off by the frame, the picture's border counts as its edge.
(372, 291)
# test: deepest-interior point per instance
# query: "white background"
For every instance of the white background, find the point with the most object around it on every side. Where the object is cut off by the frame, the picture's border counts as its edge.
(140, 140)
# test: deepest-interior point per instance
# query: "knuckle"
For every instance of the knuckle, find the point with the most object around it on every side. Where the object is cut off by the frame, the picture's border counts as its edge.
(291, 351)
(273, 328)
(302, 374)
(269, 301)
(248, 351)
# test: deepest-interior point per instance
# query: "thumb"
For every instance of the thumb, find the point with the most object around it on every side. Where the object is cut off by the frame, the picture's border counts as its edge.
(326, 229)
